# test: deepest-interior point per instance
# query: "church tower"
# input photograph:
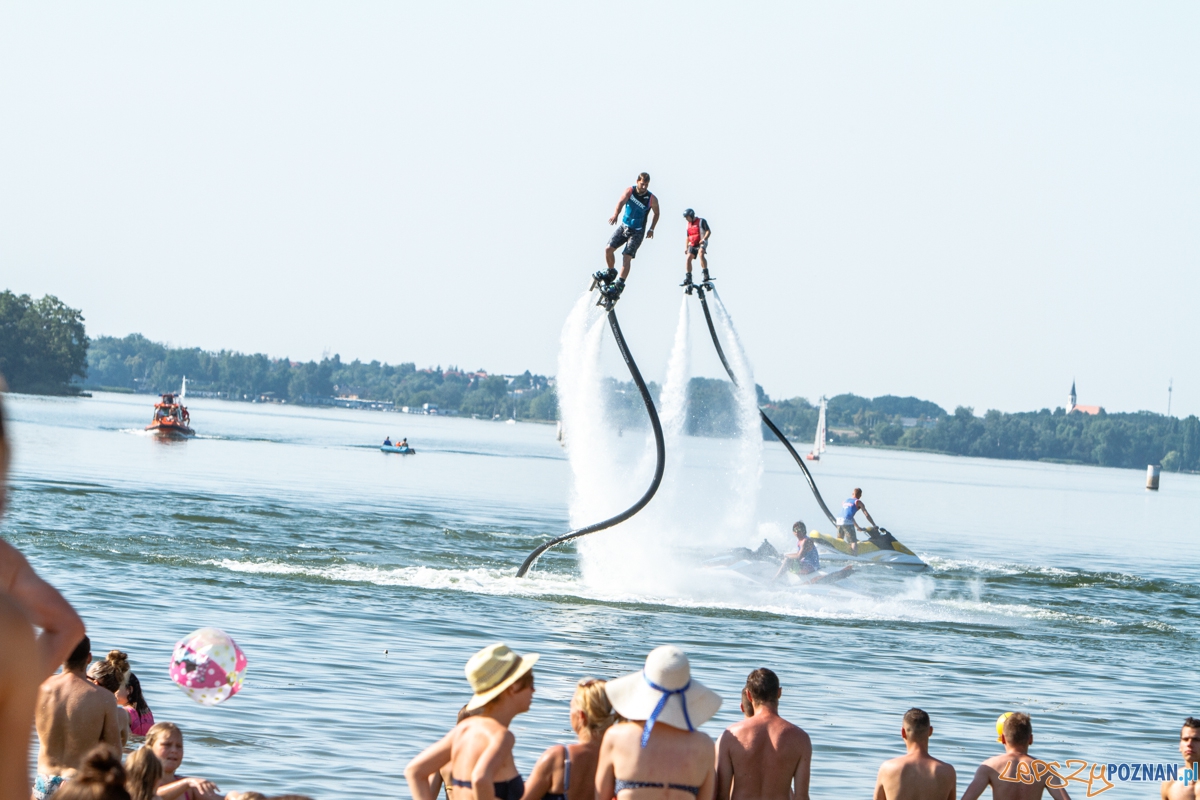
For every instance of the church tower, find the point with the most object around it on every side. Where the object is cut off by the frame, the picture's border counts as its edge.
(1071, 406)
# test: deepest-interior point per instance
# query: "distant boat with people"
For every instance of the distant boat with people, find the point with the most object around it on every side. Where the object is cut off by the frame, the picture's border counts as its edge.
(400, 447)
(171, 419)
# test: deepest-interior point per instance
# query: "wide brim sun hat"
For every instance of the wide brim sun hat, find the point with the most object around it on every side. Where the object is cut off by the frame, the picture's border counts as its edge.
(663, 691)
(492, 670)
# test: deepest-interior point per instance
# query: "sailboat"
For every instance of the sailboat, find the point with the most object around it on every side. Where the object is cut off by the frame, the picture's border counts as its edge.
(819, 439)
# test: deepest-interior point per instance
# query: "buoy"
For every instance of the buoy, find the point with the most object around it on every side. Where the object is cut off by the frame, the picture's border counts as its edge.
(1152, 477)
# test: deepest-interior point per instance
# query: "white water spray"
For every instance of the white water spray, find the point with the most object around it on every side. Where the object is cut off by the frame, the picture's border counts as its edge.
(746, 476)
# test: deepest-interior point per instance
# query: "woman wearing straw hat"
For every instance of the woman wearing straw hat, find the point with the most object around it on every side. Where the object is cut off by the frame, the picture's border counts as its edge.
(479, 748)
(658, 748)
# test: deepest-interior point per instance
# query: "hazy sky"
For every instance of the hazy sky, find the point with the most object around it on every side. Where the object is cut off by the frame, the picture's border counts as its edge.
(973, 203)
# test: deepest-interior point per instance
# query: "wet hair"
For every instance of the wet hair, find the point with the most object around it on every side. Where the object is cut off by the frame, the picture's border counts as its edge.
(1018, 729)
(857, 492)
(161, 730)
(79, 656)
(105, 675)
(800, 529)
(592, 699)
(133, 689)
(644, 176)
(916, 722)
(143, 771)
(1190, 722)
(100, 777)
(763, 685)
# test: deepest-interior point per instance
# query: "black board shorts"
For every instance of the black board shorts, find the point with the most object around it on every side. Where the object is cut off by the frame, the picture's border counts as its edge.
(695, 250)
(630, 237)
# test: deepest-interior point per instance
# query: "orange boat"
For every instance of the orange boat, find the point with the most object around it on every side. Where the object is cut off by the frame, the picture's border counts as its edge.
(170, 418)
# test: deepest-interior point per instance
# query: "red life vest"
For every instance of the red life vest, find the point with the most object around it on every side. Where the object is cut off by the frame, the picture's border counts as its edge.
(694, 232)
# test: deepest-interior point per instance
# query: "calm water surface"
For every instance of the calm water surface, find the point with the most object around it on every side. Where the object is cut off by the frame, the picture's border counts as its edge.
(1069, 592)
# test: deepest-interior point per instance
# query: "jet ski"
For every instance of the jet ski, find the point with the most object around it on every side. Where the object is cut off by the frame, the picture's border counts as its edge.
(762, 565)
(391, 448)
(879, 548)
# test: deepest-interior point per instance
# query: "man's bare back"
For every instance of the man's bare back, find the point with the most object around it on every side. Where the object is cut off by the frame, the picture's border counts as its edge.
(915, 776)
(762, 755)
(73, 716)
(1005, 775)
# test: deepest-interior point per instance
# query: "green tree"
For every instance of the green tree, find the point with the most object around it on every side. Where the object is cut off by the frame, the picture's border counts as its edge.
(43, 344)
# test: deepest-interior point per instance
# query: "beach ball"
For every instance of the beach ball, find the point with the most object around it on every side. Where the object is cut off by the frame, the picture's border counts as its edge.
(208, 666)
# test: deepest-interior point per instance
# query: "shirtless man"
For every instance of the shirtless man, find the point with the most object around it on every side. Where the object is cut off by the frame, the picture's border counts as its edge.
(763, 757)
(479, 748)
(1189, 748)
(915, 775)
(1004, 772)
(25, 659)
(73, 716)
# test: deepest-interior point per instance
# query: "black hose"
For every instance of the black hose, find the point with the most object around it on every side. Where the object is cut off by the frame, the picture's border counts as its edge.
(778, 433)
(658, 468)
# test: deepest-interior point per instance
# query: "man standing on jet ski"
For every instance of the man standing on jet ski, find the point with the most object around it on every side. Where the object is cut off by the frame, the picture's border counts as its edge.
(637, 202)
(848, 524)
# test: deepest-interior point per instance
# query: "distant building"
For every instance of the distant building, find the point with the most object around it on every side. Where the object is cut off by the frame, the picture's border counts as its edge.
(1072, 406)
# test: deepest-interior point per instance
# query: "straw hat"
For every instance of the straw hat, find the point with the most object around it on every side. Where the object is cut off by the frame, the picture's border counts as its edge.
(663, 691)
(492, 670)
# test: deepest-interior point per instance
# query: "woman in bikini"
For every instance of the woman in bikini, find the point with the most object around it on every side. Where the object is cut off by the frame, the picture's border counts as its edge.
(165, 740)
(657, 753)
(568, 772)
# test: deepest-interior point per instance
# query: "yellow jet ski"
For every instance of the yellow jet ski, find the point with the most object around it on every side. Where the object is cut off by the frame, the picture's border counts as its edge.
(880, 547)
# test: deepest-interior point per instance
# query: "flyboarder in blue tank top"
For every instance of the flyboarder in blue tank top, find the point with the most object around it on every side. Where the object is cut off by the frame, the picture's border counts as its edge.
(637, 202)
(848, 524)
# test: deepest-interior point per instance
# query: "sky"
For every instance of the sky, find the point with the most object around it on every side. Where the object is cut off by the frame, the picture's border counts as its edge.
(972, 203)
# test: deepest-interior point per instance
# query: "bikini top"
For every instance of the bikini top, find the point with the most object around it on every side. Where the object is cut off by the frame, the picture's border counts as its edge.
(566, 777)
(511, 789)
(620, 784)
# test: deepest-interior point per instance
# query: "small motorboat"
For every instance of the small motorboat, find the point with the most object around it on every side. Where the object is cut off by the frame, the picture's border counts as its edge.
(402, 450)
(171, 418)
(880, 547)
(762, 565)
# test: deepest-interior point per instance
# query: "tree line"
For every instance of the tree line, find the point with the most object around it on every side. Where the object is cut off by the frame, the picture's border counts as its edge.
(44, 349)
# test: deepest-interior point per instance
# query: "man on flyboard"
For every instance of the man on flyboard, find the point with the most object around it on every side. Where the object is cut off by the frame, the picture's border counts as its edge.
(637, 202)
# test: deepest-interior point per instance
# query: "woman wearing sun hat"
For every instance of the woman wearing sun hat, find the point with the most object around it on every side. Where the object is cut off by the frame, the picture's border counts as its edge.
(658, 752)
(479, 748)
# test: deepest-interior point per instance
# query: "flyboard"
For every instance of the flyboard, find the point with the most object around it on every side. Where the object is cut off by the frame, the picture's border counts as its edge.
(889, 552)
(608, 302)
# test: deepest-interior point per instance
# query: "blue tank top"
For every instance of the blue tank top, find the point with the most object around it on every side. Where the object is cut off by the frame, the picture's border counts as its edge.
(849, 509)
(636, 209)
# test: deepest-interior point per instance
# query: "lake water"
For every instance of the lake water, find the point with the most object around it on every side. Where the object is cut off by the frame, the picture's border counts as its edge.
(1065, 591)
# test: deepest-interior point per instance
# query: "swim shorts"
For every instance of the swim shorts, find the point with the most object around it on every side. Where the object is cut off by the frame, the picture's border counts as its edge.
(45, 786)
(847, 532)
(695, 250)
(630, 237)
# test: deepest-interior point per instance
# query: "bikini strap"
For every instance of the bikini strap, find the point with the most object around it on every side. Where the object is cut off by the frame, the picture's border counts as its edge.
(566, 769)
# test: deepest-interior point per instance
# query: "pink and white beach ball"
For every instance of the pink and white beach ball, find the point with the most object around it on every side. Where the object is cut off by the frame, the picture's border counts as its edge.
(208, 666)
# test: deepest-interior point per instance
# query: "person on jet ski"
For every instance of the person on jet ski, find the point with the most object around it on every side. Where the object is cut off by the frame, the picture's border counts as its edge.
(805, 559)
(848, 524)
